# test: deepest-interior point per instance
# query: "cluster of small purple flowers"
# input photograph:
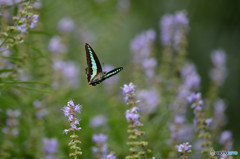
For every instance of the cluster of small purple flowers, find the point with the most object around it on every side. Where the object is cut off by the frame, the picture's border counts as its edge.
(101, 148)
(128, 91)
(184, 148)
(141, 48)
(70, 112)
(50, 147)
(137, 147)
(66, 72)
(149, 100)
(132, 116)
(12, 122)
(218, 73)
(41, 110)
(173, 28)
(28, 21)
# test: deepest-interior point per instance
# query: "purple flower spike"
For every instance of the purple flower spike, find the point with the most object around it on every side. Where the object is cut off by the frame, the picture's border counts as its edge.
(184, 148)
(128, 88)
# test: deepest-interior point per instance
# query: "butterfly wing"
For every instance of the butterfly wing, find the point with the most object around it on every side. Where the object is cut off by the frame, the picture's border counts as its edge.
(94, 66)
(112, 72)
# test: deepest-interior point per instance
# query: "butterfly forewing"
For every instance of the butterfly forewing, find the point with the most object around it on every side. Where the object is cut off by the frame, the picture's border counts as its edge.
(113, 72)
(94, 66)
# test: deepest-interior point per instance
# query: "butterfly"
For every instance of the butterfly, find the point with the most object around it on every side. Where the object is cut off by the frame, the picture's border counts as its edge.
(94, 72)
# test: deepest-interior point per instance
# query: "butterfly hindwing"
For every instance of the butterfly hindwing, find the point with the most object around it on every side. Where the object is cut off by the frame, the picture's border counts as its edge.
(112, 72)
(94, 66)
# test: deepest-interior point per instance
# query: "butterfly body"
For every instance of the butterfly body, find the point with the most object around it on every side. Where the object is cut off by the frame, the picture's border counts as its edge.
(94, 72)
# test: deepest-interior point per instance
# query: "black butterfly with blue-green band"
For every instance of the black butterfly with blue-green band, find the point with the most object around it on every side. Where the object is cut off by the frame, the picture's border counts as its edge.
(94, 72)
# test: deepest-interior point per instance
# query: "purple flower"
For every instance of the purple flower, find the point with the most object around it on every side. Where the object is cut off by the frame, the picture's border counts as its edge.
(166, 25)
(65, 25)
(22, 28)
(226, 139)
(41, 111)
(208, 122)
(98, 121)
(179, 119)
(149, 66)
(149, 100)
(219, 118)
(69, 73)
(66, 131)
(70, 112)
(111, 156)
(133, 116)
(56, 45)
(141, 45)
(218, 58)
(128, 88)
(218, 73)
(190, 76)
(184, 148)
(34, 21)
(50, 145)
(181, 19)
(99, 138)
(12, 122)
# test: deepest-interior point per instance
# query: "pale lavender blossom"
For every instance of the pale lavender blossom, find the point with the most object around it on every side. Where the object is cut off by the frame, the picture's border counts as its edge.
(181, 133)
(98, 121)
(226, 139)
(219, 118)
(173, 28)
(167, 29)
(149, 66)
(111, 156)
(181, 26)
(6, 2)
(12, 122)
(70, 111)
(101, 147)
(66, 25)
(181, 19)
(218, 58)
(50, 147)
(197, 103)
(149, 100)
(34, 21)
(22, 28)
(99, 138)
(190, 76)
(218, 73)
(128, 88)
(184, 148)
(208, 121)
(67, 73)
(56, 45)
(41, 110)
(132, 116)
(141, 45)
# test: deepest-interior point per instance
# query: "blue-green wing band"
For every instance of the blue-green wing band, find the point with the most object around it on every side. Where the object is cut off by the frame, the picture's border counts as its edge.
(94, 66)
(112, 73)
